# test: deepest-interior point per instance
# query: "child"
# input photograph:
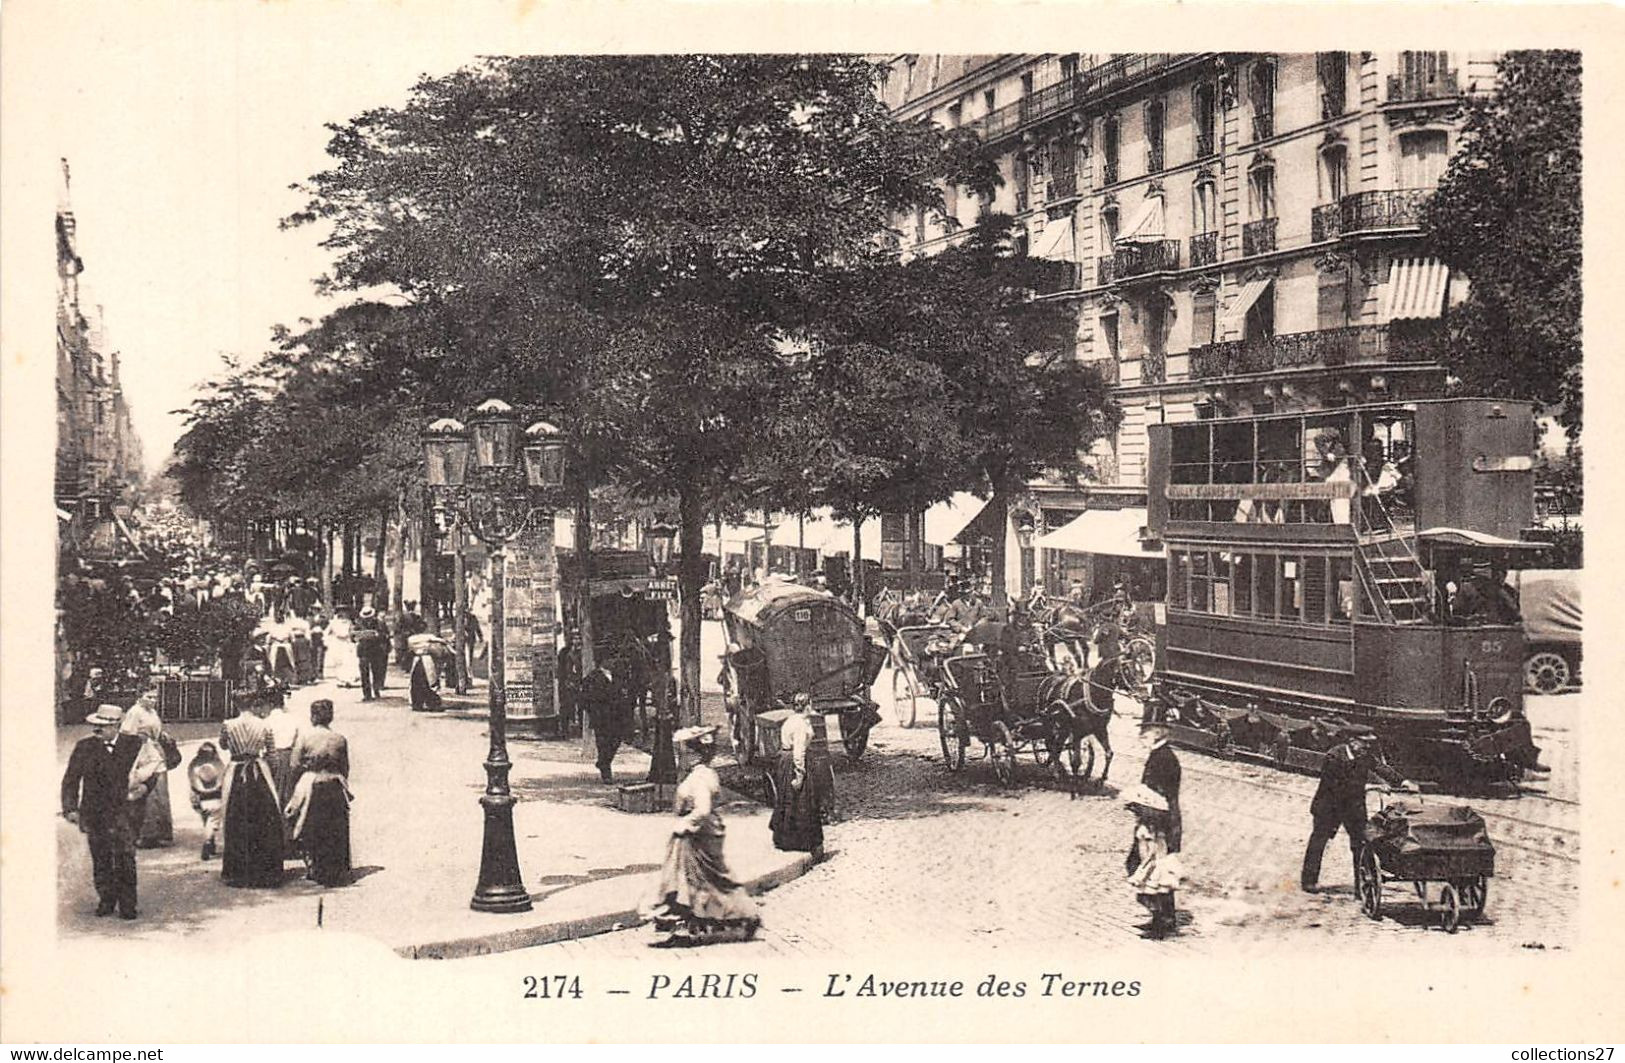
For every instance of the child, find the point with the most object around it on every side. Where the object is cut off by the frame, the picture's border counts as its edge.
(206, 773)
(1152, 870)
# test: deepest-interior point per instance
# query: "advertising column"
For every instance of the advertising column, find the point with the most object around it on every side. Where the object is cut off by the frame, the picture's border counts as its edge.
(528, 657)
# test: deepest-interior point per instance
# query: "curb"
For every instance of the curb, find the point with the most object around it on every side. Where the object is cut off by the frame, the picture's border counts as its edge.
(570, 929)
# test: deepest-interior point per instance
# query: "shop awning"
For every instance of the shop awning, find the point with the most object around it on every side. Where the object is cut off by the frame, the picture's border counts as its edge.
(1415, 289)
(1055, 242)
(945, 520)
(1236, 314)
(1148, 223)
(1464, 538)
(1101, 531)
(980, 528)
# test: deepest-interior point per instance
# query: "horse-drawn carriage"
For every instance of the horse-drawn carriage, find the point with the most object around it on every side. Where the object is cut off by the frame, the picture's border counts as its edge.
(785, 639)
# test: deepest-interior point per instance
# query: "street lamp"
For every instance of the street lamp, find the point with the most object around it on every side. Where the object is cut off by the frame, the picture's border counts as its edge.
(496, 505)
(661, 536)
(1026, 526)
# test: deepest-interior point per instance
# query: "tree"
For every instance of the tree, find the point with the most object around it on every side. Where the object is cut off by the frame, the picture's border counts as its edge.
(1507, 213)
(628, 239)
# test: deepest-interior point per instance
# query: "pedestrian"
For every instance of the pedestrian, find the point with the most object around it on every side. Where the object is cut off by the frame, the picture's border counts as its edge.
(609, 714)
(250, 819)
(205, 776)
(284, 728)
(1161, 776)
(797, 822)
(1153, 870)
(1340, 799)
(372, 652)
(318, 813)
(157, 828)
(339, 645)
(104, 792)
(698, 901)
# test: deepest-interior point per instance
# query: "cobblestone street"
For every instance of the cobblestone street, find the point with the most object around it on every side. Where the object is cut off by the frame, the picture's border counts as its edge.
(923, 855)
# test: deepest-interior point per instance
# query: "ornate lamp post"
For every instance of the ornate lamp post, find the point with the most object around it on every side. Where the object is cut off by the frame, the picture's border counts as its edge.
(663, 763)
(1026, 527)
(496, 505)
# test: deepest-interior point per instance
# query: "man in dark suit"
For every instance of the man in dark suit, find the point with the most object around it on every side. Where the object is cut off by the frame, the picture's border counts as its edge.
(371, 652)
(1162, 775)
(1340, 799)
(96, 795)
(608, 711)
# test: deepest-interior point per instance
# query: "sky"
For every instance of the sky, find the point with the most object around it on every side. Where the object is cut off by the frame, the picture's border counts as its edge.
(183, 131)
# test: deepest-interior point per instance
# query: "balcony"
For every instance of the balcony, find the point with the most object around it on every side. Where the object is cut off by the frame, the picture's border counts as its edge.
(1204, 249)
(1263, 125)
(1418, 85)
(1365, 212)
(1206, 144)
(1356, 344)
(1155, 157)
(1136, 260)
(1061, 277)
(1070, 93)
(1258, 237)
(1108, 171)
(1154, 368)
(1063, 184)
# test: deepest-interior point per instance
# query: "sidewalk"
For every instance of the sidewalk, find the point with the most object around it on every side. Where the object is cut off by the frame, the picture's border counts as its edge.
(416, 834)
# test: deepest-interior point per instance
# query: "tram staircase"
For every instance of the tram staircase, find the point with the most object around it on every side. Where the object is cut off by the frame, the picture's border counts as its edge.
(1392, 571)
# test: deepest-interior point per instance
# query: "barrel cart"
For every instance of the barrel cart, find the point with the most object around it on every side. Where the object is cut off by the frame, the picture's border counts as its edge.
(785, 639)
(1442, 851)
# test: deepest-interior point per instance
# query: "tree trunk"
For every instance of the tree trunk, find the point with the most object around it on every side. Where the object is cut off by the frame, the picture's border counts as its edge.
(858, 597)
(346, 534)
(397, 575)
(426, 557)
(324, 540)
(1001, 510)
(690, 578)
(583, 530)
(380, 589)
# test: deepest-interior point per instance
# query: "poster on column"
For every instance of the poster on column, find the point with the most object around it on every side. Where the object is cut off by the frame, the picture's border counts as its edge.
(527, 656)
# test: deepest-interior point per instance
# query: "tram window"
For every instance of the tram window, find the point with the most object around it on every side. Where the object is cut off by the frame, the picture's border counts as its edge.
(1265, 574)
(1233, 453)
(1343, 589)
(1241, 583)
(1221, 583)
(1291, 588)
(1179, 575)
(1192, 451)
(1188, 509)
(1314, 590)
(1201, 580)
(1278, 451)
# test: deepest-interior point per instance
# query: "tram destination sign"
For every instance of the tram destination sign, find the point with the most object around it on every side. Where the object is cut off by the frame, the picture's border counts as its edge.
(1270, 492)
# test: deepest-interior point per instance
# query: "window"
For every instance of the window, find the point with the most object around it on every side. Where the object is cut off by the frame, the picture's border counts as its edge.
(1261, 316)
(1422, 158)
(1204, 207)
(1069, 67)
(1155, 121)
(1334, 299)
(1333, 69)
(950, 205)
(1204, 107)
(1026, 93)
(1341, 575)
(1179, 578)
(910, 63)
(1204, 318)
(1261, 192)
(1108, 224)
(1036, 173)
(1261, 90)
(1242, 569)
(1108, 334)
(988, 98)
(1108, 151)
(1018, 174)
(1334, 173)
(955, 113)
(1156, 326)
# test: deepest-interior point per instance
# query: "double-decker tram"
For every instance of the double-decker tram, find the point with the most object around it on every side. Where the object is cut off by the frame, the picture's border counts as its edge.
(1346, 568)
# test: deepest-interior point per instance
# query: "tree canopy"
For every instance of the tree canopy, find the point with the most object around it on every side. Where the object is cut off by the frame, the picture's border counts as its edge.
(1508, 214)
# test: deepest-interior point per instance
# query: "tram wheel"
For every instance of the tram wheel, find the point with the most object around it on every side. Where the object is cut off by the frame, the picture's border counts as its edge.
(1449, 909)
(1546, 672)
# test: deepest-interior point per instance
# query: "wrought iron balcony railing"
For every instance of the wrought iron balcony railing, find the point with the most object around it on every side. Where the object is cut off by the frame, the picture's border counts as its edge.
(1155, 157)
(1258, 237)
(1063, 95)
(1108, 171)
(1204, 249)
(1263, 125)
(1065, 277)
(1399, 208)
(1063, 184)
(1353, 345)
(1105, 269)
(1135, 260)
(1206, 144)
(1418, 85)
(1154, 368)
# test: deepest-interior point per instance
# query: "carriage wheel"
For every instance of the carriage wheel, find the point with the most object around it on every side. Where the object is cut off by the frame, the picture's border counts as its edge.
(905, 693)
(1002, 750)
(1449, 909)
(1546, 672)
(1368, 883)
(950, 732)
(1139, 661)
(1475, 894)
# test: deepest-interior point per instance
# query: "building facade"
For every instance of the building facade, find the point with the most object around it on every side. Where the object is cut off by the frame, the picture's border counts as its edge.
(98, 456)
(1243, 235)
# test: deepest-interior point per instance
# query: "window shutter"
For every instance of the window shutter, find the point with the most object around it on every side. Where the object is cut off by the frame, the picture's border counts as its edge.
(1203, 318)
(1334, 300)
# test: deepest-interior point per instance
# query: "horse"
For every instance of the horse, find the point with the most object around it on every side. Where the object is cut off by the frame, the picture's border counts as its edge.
(1077, 714)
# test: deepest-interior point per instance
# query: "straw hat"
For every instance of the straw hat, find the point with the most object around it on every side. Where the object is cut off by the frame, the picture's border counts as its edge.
(1145, 797)
(105, 715)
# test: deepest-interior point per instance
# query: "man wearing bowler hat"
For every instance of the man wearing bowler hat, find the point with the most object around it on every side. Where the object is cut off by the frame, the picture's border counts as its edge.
(1340, 798)
(104, 792)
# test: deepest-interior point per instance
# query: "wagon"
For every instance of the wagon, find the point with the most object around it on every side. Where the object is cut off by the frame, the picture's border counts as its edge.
(1442, 851)
(785, 639)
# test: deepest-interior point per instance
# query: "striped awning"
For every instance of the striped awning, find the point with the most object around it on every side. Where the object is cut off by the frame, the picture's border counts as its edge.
(1236, 314)
(1416, 288)
(1055, 242)
(1148, 223)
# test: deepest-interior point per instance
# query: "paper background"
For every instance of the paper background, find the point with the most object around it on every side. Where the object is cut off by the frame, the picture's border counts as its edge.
(333, 989)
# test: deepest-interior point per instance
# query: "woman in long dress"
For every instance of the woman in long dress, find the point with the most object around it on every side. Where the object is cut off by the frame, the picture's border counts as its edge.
(798, 822)
(340, 648)
(251, 820)
(158, 824)
(319, 810)
(697, 900)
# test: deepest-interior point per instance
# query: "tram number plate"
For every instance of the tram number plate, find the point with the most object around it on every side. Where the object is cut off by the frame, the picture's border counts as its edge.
(1492, 646)
(803, 616)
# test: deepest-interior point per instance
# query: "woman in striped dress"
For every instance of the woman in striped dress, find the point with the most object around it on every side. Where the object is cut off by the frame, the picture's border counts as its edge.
(251, 819)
